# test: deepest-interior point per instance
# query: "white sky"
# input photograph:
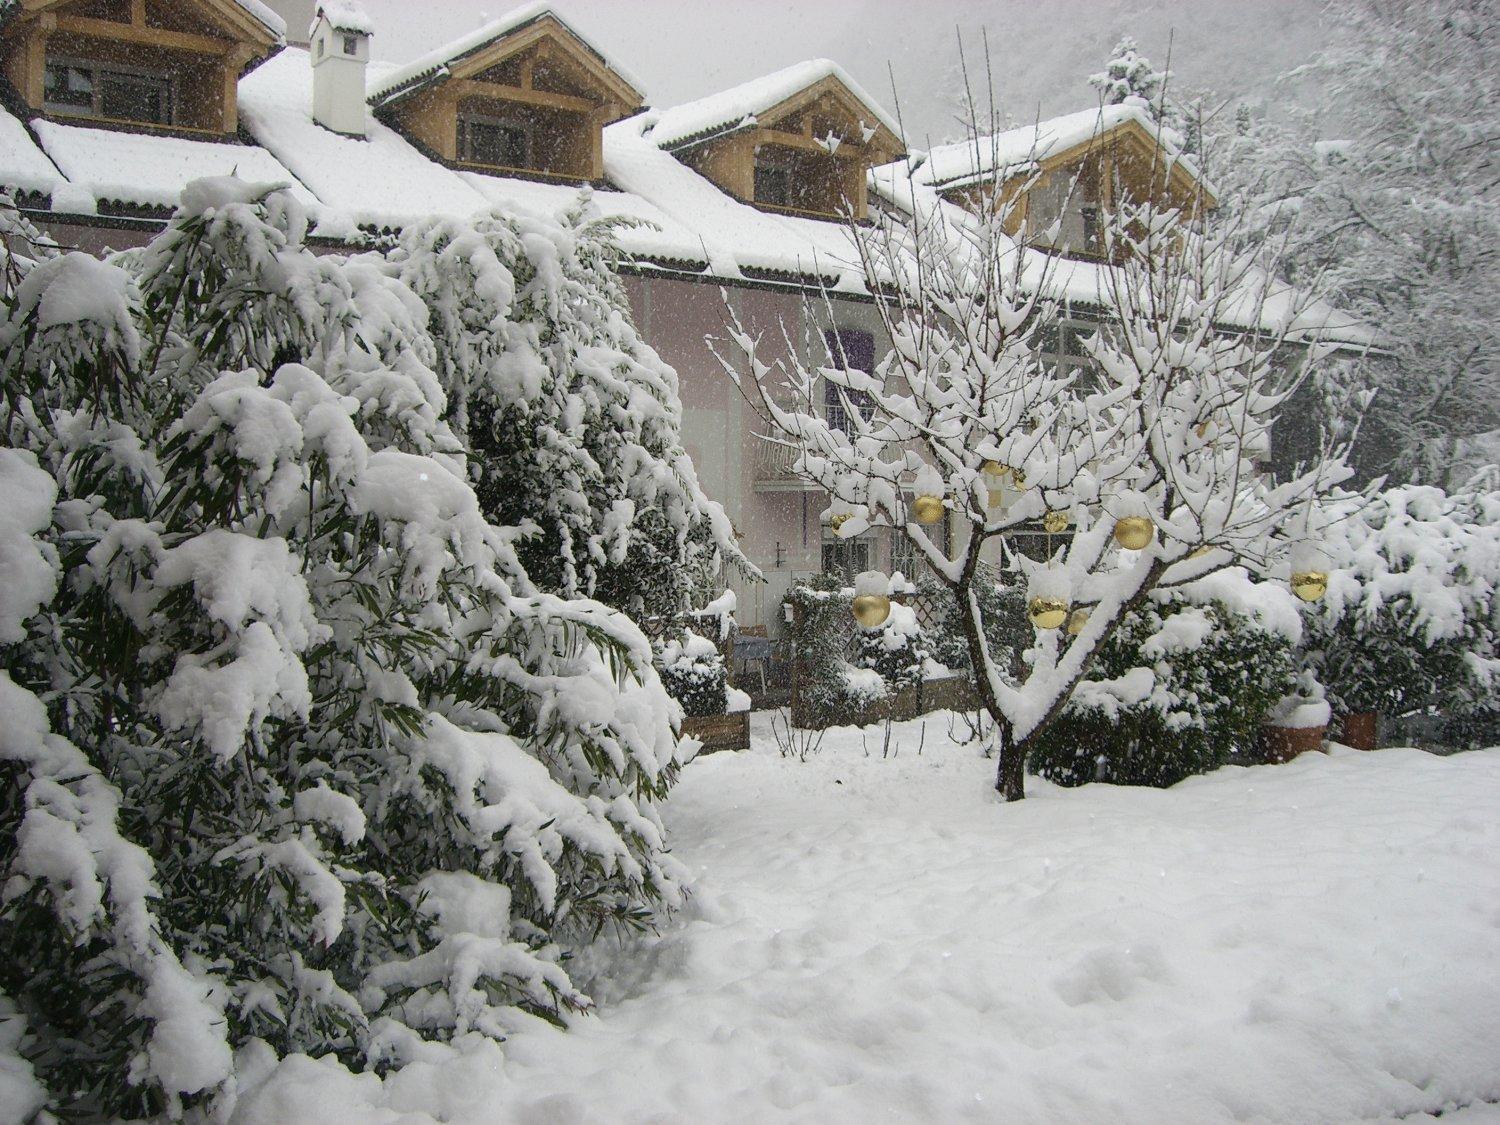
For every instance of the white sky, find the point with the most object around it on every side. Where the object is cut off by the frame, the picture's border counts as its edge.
(1043, 49)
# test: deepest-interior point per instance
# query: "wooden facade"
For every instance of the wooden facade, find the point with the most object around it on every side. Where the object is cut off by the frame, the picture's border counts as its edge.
(820, 144)
(538, 96)
(142, 63)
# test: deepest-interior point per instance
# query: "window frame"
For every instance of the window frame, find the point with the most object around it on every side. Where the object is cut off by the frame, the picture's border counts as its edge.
(465, 145)
(351, 45)
(97, 70)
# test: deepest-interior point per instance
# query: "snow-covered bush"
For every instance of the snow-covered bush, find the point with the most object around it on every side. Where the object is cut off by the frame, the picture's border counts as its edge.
(293, 752)
(1184, 683)
(896, 650)
(1411, 620)
(573, 421)
(692, 671)
(1002, 615)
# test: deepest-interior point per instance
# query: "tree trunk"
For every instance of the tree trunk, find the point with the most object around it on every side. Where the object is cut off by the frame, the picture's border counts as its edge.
(1010, 779)
(1010, 775)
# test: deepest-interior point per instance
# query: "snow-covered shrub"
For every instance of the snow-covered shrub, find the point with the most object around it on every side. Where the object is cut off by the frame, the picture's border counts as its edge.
(1411, 619)
(573, 421)
(1183, 683)
(896, 651)
(692, 671)
(319, 766)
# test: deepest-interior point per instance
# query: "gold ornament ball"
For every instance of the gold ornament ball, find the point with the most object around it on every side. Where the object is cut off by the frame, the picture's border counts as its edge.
(1076, 621)
(1048, 613)
(927, 509)
(1134, 533)
(871, 610)
(995, 469)
(1055, 522)
(1309, 585)
(838, 521)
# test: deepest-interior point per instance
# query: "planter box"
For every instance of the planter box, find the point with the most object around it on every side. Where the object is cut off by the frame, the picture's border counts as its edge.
(719, 732)
(1360, 730)
(1282, 744)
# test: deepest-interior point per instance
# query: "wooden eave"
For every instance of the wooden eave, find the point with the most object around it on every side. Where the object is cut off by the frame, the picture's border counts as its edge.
(545, 28)
(245, 35)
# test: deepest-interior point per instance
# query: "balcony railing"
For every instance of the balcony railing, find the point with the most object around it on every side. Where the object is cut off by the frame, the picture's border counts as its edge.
(773, 469)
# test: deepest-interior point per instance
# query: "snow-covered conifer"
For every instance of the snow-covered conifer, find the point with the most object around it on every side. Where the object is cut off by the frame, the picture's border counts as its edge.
(319, 764)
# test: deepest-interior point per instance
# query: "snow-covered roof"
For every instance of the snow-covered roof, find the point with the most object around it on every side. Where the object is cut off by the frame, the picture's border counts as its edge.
(382, 181)
(272, 22)
(23, 166)
(434, 65)
(343, 15)
(957, 164)
(738, 106)
(143, 170)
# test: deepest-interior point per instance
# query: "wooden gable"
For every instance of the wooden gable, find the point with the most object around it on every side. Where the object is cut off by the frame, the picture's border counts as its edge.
(540, 81)
(199, 48)
(821, 142)
(1125, 158)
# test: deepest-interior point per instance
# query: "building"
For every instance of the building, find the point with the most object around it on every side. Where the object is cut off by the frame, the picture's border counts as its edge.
(110, 107)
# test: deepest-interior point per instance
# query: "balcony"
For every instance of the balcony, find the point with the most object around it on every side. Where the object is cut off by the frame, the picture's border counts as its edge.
(773, 469)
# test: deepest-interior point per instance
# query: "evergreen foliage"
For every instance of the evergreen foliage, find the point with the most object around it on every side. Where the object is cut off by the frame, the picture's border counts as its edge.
(294, 752)
(1178, 689)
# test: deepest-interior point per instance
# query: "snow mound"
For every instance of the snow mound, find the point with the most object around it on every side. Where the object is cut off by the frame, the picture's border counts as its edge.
(879, 939)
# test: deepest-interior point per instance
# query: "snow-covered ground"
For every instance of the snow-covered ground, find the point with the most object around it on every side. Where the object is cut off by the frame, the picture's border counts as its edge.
(879, 940)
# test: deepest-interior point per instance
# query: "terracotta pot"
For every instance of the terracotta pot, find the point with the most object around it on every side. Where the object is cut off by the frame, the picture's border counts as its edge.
(1282, 744)
(1359, 730)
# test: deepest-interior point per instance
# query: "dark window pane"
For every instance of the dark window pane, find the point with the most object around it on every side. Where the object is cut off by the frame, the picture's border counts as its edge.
(351, 45)
(846, 557)
(132, 97)
(773, 185)
(70, 86)
(493, 142)
(852, 350)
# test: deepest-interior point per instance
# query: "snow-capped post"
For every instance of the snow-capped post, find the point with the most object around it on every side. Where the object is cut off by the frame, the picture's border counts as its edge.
(339, 43)
(1152, 457)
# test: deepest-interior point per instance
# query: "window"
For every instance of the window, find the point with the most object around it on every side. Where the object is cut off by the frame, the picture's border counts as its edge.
(321, 45)
(96, 90)
(351, 45)
(851, 349)
(905, 556)
(846, 557)
(493, 141)
(773, 185)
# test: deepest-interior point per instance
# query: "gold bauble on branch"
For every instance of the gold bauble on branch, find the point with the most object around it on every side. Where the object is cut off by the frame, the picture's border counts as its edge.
(1076, 621)
(1047, 613)
(995, 469)
(837, 521)
(1309, 585)
(1134, 533)
(1055, 522)
(871, 610)
(927, 509)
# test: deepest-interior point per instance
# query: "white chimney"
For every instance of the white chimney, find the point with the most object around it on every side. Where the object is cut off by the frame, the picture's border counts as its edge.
(340, 46)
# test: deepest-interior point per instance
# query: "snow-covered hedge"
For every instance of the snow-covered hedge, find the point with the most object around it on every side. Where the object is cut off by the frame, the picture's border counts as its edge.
(1184, 682)
(1411, 619)
(295, 756)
